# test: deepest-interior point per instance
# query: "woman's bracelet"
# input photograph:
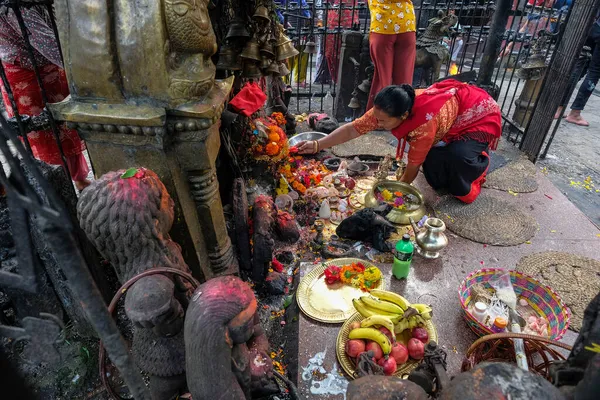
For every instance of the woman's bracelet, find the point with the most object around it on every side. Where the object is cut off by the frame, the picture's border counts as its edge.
(316, 146)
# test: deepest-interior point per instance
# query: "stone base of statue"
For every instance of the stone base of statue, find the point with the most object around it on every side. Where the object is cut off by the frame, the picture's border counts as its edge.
(181, 145)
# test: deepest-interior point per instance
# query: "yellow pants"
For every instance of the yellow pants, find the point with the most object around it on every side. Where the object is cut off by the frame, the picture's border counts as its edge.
(299, 67)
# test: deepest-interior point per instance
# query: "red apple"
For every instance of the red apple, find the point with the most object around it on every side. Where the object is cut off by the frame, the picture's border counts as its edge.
(421, 334)
(388, 364)
(387, 333)
(354, 325)
(354, 347)
(376, 349)
(416, 349)
(400, 353)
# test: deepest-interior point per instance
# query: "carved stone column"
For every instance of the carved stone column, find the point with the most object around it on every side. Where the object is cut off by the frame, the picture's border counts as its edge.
(143, 93)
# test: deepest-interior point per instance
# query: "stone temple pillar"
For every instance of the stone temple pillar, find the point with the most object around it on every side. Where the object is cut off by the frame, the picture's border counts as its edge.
(143, 94)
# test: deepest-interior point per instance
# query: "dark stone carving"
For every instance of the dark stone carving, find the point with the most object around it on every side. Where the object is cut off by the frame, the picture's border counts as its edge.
(287, 227)
(264, 215)
(431, 53)
(128, 218)
(240, 215)
(158, 346)
(499, 381)
(226, 350)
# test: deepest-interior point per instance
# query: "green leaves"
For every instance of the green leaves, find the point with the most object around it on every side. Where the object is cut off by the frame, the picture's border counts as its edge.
(130, 173)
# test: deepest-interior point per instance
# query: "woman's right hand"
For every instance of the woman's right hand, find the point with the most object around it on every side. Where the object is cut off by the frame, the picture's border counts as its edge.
(307, 147)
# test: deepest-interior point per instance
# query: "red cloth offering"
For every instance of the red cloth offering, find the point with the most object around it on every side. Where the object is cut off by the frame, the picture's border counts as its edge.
(249, 100)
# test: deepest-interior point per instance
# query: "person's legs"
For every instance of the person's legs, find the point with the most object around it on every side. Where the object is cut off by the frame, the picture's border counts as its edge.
(589, 83)
(459, 167)
(405, 53)
(382, 54)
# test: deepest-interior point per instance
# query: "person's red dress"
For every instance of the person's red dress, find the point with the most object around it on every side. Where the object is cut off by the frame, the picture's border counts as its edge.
(26, 91)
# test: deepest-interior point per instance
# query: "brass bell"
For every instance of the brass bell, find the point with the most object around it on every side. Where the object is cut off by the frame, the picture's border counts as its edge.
(237, 30)
(310, 47)
(251, 51)
(365, 86)
(265, 63)
(283, 69)
(251, 70)
(286, 49)
(267, 50)
(229, 59)
(354, 103)
(273, 68)
(262, 13)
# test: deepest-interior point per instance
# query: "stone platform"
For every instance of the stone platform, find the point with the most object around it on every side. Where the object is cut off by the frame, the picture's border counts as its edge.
(562, 228)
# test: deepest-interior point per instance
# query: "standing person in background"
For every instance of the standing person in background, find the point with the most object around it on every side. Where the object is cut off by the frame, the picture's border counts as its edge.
(333, 43)
(392, 42)
(589, 83)
(26, 91)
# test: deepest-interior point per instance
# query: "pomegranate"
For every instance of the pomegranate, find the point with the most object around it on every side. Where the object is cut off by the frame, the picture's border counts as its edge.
(387, 333)
(354, 347)
(388, 364)
(400, 353)
(354, 325)
(421, 334)
(376, 349)
(416, 349)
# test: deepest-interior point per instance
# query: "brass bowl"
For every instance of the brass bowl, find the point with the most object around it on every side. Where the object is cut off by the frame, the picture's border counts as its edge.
(396, 216)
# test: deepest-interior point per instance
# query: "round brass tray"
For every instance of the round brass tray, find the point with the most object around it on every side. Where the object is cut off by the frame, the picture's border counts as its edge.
(348, 364)
(329, 303)
(396, 216)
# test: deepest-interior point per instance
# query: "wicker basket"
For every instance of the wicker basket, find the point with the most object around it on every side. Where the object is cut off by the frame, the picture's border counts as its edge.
(541, 352)
(542, 299)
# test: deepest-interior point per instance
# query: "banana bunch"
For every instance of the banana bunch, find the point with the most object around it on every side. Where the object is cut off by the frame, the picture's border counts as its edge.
(383, 307)
(372, 334)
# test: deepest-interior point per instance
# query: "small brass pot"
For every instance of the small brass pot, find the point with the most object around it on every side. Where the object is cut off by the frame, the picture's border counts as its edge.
(396, 216)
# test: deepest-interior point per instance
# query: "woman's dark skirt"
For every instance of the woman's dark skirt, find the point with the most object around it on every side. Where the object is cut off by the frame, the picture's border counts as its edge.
(458, 167)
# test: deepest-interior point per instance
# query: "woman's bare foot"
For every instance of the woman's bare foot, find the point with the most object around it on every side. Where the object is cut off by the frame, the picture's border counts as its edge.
(80, 185)
(575, 117)
(558, 112)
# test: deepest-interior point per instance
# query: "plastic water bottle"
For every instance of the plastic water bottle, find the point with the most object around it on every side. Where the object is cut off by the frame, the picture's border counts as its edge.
(328, 104)
(403, 256)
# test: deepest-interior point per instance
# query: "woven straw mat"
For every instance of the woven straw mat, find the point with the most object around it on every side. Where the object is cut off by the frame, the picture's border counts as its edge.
(516, 176)
(576, 279)
(487, 220)
(370, 144)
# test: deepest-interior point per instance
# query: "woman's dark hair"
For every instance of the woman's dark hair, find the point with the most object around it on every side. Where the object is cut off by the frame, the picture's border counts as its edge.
(395, 100)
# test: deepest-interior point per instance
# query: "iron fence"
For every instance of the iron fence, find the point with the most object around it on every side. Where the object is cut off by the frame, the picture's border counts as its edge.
(44, 211)
(323, 23)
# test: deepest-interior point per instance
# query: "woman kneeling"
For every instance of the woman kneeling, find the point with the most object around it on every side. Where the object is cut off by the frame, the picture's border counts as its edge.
(449, 126)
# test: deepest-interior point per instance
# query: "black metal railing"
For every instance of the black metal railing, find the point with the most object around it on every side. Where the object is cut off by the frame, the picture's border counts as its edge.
(323, 22)
(43, 211)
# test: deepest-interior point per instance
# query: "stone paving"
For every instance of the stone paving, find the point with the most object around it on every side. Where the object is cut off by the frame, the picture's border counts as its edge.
(574, 155)
(563, 227)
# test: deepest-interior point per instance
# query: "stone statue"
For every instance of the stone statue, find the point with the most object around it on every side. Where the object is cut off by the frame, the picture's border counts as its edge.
(143, 92)
(431, 53)
(226, 349)
(127, 215)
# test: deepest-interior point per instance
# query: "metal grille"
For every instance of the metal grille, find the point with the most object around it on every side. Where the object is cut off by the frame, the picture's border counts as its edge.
(18, 176)
(323, 23)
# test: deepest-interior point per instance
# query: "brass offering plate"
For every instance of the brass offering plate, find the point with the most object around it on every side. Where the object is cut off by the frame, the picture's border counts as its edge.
(397, 216)
(348, 364)
(329, 303)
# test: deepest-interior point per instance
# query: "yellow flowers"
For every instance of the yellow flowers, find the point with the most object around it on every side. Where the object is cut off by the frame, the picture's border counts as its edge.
(387, 195)
(587, 184)
(372, 274)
